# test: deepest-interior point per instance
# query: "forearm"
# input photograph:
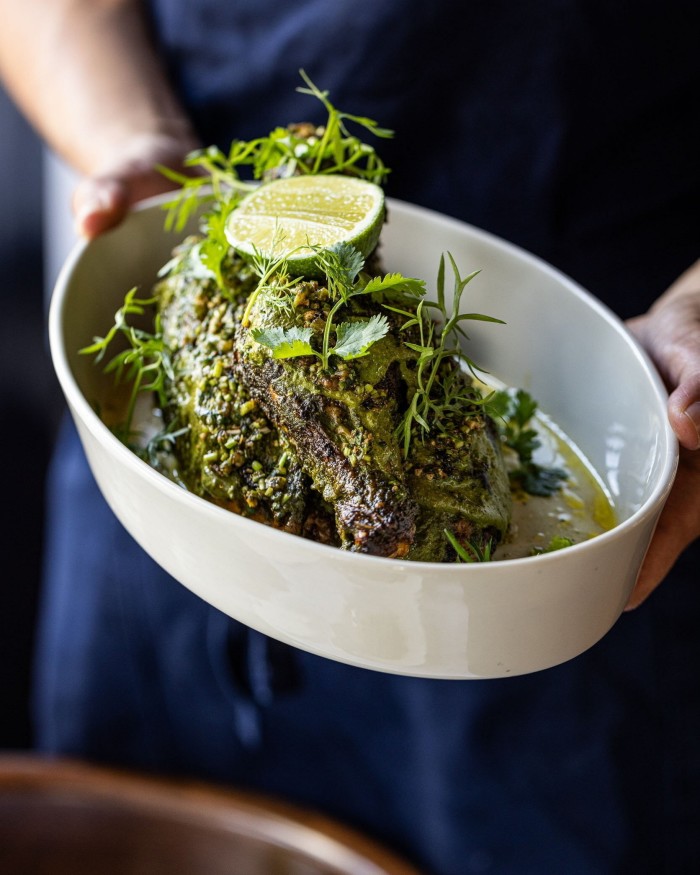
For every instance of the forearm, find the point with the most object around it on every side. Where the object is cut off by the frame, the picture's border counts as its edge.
(86, 75)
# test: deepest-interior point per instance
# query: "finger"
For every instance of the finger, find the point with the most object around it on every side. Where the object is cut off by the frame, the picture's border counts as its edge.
(663, 552)
(99, 204)
(102, 199)
(678, 526)
(684, 408)
(671, 334)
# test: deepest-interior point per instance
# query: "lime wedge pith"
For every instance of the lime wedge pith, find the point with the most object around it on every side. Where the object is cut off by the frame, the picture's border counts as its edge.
(288, 217)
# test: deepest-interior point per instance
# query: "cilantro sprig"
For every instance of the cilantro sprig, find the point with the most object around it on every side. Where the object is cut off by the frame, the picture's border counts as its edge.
(342, 265)
(353, 339)
(513, 412)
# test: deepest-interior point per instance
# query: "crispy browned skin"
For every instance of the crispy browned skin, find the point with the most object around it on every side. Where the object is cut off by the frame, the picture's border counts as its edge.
(374, 513)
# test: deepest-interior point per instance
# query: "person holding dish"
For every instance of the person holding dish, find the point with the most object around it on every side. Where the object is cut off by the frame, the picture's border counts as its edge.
(564, 127)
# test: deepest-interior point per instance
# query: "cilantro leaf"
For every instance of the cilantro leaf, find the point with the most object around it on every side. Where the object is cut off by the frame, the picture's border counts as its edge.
(513, 413)
(211, 253)
(523, 440)
(524, 409)
(498, 405)
(395, 282)
(285, 343)
(353, 339)
(348, 261)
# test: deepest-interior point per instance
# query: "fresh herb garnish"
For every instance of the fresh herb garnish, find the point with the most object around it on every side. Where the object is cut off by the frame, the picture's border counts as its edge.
(470, 552)
(342, 265)
(298, 149)
(160, 451)
(440, 392)
(338, 151)
(145, 364)
(285, 343)
(513, 413)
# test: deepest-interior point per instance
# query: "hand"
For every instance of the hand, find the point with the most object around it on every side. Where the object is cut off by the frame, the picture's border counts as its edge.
(102, 199)
(670, 332)
(88, 76)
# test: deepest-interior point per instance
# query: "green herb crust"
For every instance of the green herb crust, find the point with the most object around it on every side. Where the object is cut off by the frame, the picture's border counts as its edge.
(227, 450)
(318, 449)
(345, 422)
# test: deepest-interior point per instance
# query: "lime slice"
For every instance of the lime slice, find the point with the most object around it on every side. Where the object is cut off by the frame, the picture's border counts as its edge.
(287, 217)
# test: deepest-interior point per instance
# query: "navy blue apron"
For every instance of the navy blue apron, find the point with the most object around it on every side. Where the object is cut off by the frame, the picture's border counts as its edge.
(569, 128)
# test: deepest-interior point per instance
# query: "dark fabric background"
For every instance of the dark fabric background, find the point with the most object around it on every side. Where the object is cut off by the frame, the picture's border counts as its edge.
(28, 412)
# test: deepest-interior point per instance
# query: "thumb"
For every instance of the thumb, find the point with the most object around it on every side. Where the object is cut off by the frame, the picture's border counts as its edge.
(99, 203)
(102, 199)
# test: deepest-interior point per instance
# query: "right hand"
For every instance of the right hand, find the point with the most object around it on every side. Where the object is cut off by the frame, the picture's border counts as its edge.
(670, 332)
(102, 199)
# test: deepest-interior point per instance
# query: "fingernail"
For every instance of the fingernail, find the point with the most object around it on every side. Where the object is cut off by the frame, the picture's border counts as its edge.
(693, 414)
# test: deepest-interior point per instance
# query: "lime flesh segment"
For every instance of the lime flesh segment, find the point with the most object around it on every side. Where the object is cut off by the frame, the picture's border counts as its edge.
(285, 218)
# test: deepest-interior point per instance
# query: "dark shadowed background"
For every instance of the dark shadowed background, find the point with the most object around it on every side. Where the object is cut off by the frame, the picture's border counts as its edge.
(29, 404)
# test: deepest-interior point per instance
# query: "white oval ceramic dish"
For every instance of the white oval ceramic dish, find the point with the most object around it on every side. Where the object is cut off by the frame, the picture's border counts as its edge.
(449, 621)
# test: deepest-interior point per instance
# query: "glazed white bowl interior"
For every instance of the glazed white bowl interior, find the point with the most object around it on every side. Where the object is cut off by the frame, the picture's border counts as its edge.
(451, 621)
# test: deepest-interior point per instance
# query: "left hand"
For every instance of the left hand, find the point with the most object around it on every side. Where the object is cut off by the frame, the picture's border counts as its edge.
(670, 332)
(103, 198)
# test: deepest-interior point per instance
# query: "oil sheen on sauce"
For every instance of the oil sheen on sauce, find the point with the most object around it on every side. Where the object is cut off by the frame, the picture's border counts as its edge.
(580, 510)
